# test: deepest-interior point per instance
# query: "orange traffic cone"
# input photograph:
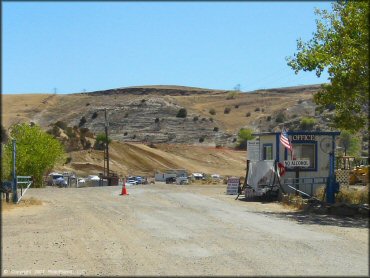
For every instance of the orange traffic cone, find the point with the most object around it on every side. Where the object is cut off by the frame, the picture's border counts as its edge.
(124, 190)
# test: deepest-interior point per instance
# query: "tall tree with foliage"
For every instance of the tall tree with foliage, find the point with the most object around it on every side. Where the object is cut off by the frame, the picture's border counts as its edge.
(340, 45)
(350, 143)
(37, 152)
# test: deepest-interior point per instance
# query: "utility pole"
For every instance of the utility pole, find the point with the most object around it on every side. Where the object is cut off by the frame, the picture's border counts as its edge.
(106, 151)
(15, 194)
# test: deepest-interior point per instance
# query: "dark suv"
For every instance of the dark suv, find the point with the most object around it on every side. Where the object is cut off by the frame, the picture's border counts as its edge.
(171, 180)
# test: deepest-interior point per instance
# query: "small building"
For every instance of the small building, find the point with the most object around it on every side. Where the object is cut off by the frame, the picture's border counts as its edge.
(308, 168)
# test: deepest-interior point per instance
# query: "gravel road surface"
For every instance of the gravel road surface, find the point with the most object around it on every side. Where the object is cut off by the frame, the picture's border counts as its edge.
(175, 230)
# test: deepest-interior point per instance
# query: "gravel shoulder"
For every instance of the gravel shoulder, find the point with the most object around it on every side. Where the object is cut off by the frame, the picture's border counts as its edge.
(175, 230)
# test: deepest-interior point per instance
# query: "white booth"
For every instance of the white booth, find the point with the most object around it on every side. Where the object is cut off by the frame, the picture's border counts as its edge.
(306, 167)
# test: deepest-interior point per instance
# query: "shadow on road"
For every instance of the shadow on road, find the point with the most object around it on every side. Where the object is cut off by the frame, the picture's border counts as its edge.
(330, 220)
(303, 217)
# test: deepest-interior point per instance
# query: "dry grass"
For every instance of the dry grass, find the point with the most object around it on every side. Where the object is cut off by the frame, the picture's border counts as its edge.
(349, 195)
(294, 201)
(23, 203)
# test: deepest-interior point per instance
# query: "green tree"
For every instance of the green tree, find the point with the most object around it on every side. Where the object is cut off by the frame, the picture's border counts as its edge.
(244, 135)
(350, 143)
(340, 45)
(101, 140)
(37, 152)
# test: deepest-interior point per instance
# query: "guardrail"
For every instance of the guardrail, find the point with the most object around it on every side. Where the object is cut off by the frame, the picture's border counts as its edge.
(21, 180)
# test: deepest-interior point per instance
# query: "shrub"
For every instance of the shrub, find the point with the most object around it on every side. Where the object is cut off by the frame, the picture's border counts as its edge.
(156, 120)
(280, 118)
(263, 109)
(126, 115)
(248, 114)
(125, 133)
(68, 160)
(268, 118)
(212, 111)
(182, 113)
(87, 104)
(100, 141)
(87, 145)
(319, 110)
(236, 106)
(195, 118)
(330, 107)
(231, 95)
(70, 132)
(201, 139)
(61, 125)
(215, 129)
(94, 115)
(84, 130)
(204, 119)
(82, 121)
(143, 100)
(257, 109)
(227, 110)
(210, 119)
(307, 123)
(55, 131)
(133, 137)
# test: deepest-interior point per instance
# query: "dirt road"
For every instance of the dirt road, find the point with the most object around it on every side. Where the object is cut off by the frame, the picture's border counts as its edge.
(174, 230)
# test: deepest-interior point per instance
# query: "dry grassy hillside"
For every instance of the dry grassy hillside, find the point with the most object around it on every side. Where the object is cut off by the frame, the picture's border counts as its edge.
(148, 114)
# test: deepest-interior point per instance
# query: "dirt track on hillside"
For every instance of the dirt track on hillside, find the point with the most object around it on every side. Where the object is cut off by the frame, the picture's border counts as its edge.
(174, 230)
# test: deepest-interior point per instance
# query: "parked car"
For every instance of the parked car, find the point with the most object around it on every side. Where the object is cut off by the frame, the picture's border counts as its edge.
(131, 182)
(93, 178)
(139, 179)
(182, 180)
(60, 182)
(53, 177)
(171, 180)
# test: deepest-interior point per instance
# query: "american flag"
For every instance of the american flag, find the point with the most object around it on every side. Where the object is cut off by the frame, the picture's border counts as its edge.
(285, 140)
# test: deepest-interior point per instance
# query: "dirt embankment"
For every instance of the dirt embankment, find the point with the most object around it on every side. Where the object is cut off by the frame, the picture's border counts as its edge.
(139, 159)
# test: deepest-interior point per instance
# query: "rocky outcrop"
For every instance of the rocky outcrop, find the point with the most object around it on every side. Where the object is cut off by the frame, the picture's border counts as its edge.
(154, 121)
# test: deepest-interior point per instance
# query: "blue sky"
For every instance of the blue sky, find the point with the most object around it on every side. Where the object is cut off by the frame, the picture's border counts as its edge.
(75, 46)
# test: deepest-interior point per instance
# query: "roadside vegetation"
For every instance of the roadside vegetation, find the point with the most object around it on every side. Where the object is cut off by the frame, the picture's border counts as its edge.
(340, 46)
(37, 152)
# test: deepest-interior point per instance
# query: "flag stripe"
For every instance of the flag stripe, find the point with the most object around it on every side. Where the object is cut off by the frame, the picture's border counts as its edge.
(285, 140)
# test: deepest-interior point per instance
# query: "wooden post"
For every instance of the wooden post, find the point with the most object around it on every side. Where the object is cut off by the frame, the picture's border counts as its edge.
(296, 180)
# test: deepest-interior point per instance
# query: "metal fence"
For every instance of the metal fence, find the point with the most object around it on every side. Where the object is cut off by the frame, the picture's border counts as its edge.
(307, 185)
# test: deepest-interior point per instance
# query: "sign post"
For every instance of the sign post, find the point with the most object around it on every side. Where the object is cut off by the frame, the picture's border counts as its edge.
(15, 194)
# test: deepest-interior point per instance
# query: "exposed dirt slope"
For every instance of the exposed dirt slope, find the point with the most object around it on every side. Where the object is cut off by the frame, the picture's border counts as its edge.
(139, 159)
